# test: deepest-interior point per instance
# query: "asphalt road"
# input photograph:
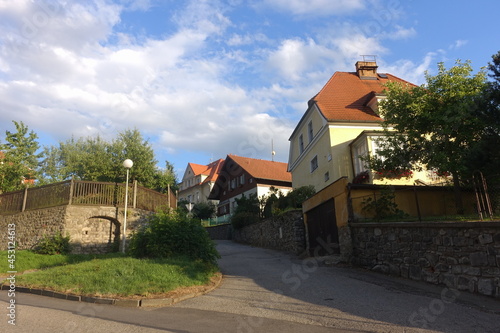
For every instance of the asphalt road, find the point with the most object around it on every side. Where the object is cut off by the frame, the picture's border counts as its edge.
(269, 291)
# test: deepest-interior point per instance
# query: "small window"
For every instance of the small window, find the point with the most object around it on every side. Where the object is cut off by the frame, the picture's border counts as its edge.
(314, 163)
(301, 144)
(310, 130)
(242, 179)
(327, 176)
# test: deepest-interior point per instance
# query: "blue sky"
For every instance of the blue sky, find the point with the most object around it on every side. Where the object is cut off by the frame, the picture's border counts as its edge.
(205, 78)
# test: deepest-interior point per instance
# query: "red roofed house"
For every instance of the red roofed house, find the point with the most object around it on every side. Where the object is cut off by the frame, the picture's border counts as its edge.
(340, 125)
(198, 181)
(245, 176)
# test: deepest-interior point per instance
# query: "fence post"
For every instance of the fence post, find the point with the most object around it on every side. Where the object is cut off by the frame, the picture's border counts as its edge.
(25, 197)
(418, 205)
(135, 194)
(71, 189)
(168, 196)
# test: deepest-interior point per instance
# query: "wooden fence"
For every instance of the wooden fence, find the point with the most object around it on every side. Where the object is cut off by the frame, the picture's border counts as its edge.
(76, 192)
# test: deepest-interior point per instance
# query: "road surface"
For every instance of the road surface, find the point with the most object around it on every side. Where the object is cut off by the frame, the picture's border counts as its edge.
(270, 291)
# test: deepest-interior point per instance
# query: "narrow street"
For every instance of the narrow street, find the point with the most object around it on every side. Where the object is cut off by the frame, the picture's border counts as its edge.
(269, 291)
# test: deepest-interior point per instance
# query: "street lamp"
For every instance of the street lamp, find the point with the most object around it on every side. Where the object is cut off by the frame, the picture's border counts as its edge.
(127, 164)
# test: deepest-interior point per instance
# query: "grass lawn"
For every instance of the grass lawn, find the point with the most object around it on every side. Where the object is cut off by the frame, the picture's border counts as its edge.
(111, 275)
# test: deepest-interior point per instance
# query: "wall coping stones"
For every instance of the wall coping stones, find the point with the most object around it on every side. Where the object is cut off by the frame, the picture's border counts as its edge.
(482, 224)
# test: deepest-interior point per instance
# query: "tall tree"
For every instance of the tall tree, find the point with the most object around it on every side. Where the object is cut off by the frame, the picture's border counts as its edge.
(483, 157)
(95, 159)
(434, 125)
(19, 160)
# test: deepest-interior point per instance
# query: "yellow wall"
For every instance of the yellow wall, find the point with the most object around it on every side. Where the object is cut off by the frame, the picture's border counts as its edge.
(432, 201)
(337, 191)
(330, 145)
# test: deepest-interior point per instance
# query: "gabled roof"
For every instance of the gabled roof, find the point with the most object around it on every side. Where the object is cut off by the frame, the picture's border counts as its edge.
(262, 169)
(197, 169)
(211, 170)
(345, 96)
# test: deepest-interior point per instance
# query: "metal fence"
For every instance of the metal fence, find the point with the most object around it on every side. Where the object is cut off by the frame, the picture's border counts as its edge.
(75, 192)
(376, 203)
(225, 219)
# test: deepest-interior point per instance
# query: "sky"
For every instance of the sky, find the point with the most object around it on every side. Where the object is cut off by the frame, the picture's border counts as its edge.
(201, 79)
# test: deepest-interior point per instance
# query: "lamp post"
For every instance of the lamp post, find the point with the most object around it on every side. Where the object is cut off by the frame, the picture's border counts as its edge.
(127, 164)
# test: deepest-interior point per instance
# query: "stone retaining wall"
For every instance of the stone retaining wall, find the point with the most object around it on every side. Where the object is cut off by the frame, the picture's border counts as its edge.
(464, 256)
(31, 226)
(220, 232)
(92, 229)
(284, 233)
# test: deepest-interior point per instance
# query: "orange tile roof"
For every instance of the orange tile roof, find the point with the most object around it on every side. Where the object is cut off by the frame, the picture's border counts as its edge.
(211, 170)
(262, 169)
(198, 169)
(345, 95)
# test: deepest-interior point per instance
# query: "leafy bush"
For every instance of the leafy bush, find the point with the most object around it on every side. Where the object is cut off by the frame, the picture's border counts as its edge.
(277, 202)
(383, 206)
(56, 244)
(170, 234)
(204, 210)
(247, 211)
(242, 219)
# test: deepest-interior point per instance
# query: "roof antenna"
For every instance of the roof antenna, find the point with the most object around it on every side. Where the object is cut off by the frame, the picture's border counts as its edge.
(272, 150)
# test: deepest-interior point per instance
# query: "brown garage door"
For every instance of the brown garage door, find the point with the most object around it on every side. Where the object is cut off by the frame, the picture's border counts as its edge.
(322, 229)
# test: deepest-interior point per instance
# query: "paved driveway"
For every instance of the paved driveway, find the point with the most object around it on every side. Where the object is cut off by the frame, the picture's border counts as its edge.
(268, 291)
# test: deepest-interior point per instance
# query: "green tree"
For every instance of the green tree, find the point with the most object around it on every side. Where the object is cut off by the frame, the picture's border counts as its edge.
(434, 125)
(204, 210)
(19, 160)
(96, 159)
(165, 178)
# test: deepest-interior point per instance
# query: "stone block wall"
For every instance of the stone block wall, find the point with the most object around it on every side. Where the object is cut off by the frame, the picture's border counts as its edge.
(463, 256)
(222, 232)
(31, 226)
(284, 233)
(92, 229)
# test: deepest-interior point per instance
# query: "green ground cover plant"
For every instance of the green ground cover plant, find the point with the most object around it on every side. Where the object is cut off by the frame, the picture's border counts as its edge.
(169, 252)
(29, 260)
(121, 276)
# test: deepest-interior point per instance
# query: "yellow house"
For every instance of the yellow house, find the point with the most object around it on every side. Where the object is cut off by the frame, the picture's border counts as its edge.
(340, 126)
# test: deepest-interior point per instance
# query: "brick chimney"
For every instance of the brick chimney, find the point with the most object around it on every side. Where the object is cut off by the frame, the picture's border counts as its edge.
(367, 69)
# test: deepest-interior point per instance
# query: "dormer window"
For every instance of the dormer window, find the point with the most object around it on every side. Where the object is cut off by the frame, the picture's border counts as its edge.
(374, 101)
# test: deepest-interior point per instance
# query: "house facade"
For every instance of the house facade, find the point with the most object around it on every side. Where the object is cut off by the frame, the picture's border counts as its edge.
(198, 181)
(247, 176)
(340, 126)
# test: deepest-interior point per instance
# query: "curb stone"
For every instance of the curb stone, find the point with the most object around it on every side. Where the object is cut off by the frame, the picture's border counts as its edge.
(125, 302)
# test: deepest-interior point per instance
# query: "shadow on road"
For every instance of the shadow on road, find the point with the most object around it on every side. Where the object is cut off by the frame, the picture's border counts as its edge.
(270, 284)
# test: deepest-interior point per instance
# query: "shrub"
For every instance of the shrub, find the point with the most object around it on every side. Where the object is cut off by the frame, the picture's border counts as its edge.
(170, 234)
(56, 244)
(383, 206)
(242, 219)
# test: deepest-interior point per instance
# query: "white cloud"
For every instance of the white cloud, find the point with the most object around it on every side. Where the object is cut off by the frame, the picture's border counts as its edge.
(400, 33)
(458, 44)
(316, 7)
(208, 83)
(409, 70)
